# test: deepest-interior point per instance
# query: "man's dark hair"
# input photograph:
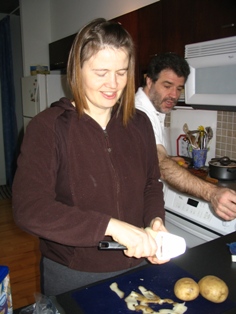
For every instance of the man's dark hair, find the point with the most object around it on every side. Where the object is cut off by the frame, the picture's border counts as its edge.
(165, 61)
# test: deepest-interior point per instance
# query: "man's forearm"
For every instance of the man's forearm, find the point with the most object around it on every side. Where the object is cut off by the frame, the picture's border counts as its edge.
(181, 179)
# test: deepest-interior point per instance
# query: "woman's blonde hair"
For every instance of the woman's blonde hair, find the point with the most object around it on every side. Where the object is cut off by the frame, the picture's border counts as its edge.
(95, 36)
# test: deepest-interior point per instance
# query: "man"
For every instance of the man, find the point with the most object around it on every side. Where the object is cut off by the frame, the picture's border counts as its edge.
(165, 79)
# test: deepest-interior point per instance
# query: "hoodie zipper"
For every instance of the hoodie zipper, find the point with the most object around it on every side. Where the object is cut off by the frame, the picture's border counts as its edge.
(107, 141)
(109, 149)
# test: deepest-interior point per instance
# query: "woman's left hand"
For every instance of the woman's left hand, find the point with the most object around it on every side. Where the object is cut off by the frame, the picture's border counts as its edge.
(155, 226)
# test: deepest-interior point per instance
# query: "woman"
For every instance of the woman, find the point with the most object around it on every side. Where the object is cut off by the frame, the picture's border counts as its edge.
(88, 170)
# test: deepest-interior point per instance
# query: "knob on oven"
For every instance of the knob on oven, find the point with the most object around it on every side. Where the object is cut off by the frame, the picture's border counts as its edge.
(225, 223)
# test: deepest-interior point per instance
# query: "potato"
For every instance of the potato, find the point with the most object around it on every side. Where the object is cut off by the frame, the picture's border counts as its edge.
(213, 289)
(186, 289)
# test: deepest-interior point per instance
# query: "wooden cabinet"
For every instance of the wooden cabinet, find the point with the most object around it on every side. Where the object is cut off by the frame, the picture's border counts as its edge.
(214, 19)
(149, 35)
(144, 25)
(130, 23)
(177, 25)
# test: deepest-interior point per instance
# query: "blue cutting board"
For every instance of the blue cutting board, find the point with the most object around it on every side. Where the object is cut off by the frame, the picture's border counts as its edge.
(160, 279)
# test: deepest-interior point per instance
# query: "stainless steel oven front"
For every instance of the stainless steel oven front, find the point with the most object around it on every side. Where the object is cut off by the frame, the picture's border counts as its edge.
(193, 218)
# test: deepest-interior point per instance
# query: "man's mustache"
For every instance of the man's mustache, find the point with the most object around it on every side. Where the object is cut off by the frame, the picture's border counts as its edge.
(174, 100)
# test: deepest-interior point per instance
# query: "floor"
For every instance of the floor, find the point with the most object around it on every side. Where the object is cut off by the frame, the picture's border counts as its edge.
(5, 192)
(19, 251)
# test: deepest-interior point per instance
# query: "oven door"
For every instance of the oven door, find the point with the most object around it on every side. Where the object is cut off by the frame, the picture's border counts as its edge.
(193, 234)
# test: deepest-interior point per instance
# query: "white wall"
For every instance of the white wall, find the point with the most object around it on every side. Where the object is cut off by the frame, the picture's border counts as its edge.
(45, 21)
(67, 17)
(35, 33)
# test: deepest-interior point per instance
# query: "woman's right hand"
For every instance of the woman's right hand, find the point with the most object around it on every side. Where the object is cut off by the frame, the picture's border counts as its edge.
(138, 241)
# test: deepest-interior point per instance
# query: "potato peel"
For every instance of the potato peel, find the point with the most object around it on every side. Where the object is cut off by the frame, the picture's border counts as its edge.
(114, 287)
(140, 302)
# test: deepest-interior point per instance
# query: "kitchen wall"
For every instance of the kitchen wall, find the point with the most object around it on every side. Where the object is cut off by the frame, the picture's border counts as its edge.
(225, 133)
(35, 33)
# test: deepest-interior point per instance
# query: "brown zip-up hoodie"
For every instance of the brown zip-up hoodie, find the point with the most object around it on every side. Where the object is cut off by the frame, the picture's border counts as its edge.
(73, 176)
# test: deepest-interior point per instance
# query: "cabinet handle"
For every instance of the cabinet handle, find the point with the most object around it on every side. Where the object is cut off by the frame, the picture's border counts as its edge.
(228, 25)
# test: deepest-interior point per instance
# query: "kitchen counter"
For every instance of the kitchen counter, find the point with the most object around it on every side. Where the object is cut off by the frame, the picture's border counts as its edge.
(211, 258)
(203, 173)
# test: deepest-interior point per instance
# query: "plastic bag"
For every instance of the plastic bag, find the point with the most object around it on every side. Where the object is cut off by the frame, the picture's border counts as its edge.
(43, 305)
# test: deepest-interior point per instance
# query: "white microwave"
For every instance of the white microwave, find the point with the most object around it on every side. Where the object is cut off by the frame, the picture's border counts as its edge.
(212, 80)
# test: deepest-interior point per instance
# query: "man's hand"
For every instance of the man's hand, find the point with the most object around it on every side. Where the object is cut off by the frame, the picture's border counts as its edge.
(222, 200)
(224, 203)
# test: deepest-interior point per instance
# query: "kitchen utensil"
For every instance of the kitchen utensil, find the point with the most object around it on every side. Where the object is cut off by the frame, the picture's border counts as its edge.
(222, 168)
(168, 245)
(225, 161)
(196, 139)
(188, 134)
(185, 128)
(202, 140)
(209, 135)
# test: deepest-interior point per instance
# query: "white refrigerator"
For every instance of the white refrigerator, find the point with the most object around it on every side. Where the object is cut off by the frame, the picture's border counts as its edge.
(40, 91)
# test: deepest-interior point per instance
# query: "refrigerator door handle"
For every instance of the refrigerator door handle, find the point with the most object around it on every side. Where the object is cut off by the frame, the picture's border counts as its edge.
(36, 97)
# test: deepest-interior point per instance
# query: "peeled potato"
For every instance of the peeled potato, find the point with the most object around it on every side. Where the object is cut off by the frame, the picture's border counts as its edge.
(213, 289)
(186, 289)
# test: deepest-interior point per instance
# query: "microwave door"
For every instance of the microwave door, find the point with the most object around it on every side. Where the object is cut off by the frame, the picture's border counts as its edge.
(212, 80)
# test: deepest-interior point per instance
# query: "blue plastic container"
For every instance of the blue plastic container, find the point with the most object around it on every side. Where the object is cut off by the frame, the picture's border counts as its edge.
(5, 291)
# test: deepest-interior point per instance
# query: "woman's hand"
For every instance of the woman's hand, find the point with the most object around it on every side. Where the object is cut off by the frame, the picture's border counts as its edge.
(139, 242)
(155, 226)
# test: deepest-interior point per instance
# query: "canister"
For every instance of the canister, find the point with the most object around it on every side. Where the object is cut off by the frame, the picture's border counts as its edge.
(5, 291)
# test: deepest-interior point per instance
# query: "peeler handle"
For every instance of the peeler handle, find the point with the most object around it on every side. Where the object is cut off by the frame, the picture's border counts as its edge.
(110, 245)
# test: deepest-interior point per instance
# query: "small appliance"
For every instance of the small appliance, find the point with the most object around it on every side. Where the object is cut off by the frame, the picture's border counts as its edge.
(211, 83)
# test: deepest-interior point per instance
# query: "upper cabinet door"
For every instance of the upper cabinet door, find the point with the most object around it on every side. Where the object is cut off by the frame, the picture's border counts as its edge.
(130, 22)
(144, 25)
(214, 19)
(177, 25)
(149, 32)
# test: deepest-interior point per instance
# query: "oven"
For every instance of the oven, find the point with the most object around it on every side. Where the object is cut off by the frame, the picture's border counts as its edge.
(194, 219)
(186, 215)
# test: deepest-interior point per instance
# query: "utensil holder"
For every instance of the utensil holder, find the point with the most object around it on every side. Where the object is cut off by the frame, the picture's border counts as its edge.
(199, 157)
